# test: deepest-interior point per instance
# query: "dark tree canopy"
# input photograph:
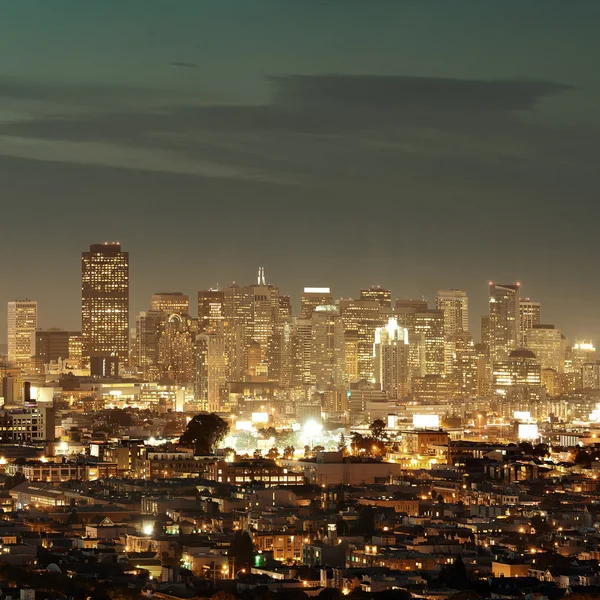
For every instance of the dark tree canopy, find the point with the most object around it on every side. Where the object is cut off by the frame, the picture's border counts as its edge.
(204, 432)
(377, 428)
(241, 551)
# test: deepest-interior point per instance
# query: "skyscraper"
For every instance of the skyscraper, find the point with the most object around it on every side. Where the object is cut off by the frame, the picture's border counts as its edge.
(210, 310)
(376, 292)
(455, 306)
(391, 352)
(430, 323)
(313, 297)
(105, 302)
(328, 353)
(546, 342)
(22, 323)
(171, 303)
(529, 317)
(211, 369)
(504, 326)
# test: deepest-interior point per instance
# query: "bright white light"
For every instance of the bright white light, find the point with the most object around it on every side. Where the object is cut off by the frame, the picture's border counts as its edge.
(312, 428)
(528, 431)
(317, 290)
(148, 528)
(260, 417)
(426, 421)
(522, 415)
(243, 425)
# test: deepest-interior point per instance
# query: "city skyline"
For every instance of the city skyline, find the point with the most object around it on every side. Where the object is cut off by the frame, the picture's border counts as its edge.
(443, 145)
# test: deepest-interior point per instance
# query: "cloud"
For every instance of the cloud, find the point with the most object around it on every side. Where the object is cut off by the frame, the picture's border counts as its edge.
(313, 126)
(185, 65)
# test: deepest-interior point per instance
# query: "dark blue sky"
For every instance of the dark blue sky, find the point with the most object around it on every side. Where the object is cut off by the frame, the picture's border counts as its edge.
(415, 144)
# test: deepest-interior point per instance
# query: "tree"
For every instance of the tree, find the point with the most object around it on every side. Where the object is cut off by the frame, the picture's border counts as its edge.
(342, 443)
(377, 428)
(366, 520)
(288, 452)
(257, 454)
(204, 432)
(273, 454)
(241, 551)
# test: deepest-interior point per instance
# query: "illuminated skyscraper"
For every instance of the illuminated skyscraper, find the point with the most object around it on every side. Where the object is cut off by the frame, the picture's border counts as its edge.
(546, 342)
(504, 326)
(211, 369)
(210, 310)
(529, 317)
(148, 326)
(430, 323)
(105, 302)
(363, 317)
(22, 323)
(376, 292)
(327, 357)
(313, 297)
(455, 306)
(391, 353)
(171, 303)
(405, 311)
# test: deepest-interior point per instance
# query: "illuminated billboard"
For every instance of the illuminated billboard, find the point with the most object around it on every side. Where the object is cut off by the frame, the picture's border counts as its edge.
(426, 421)
(528, 432)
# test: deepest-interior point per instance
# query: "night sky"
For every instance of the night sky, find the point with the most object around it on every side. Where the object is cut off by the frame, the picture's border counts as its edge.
(416, 144)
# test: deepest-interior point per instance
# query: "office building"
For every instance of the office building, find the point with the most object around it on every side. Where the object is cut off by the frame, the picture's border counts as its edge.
(376, 292)
(430, 323)
(405, 311)
(210, 310)
(52, 345)
(327, 357)
(391, 353)
(455, 306)
(22, 323)
(105, 302)
(546, 342)
(313, 297)
(171, 303)
(211, 370)
(504, 325)
(530, 315)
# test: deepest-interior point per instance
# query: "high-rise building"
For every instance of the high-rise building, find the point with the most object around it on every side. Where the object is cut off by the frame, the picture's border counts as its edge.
(546, 342)
(430, 323)
(376, 292)
(529, 316)
(105, 302)
(519, 377)
(52, 345)
(148, 326)
(405, 311)
(210, 310)
(176, 348)
(455, 306)
(363, 317)
(211, 369)
(22, 323)
(327, 359)
(171, 303)
(391, 352)
(313, 297)
(504, 326)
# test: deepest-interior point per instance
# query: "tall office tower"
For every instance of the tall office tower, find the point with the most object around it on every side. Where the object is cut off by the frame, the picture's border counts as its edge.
(529, 316)
(328, 352)
(430, 323)
(313, 297)
(176, 348)
(237, 308)
(172, 303)
(546, 342)
(211, 310)
(264, 315)
(148, 327)
(591, 376)
(467, 366)
(75, 347)
(211, 369)
(280, 353)
(351, 354)
(301, 351)
(391, 352)
(363, 317)
(580, 353)
(376, 292)
(405, 311)
(455, 306)
(485, 331)
(51, 345)
(22, 323)
(504, 320)
(105, 302)
(519, 377)
(285, 307)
